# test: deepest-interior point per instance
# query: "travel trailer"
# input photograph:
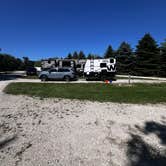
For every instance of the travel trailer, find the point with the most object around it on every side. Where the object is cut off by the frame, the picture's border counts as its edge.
(76, 64)
(100, 69)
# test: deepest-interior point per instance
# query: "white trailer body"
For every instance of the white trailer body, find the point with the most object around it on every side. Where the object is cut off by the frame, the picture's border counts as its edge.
(100, 69)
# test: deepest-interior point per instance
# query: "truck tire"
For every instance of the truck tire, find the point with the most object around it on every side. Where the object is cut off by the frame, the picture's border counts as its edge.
(67, 78)
(44, 78)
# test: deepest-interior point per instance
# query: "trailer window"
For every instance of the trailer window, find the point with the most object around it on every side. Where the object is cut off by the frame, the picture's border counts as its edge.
(111, 60)
(78, 66)
(103, 65)
(66, 63)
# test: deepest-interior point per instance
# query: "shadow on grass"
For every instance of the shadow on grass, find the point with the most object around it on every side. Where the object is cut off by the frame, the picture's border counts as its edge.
(141, 153)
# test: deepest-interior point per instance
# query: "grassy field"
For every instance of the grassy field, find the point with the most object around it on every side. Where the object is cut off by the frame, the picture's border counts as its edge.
(137, 93)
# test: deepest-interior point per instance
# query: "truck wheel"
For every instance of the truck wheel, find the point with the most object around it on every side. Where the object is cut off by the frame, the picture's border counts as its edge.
(44, 78)
(67, 78)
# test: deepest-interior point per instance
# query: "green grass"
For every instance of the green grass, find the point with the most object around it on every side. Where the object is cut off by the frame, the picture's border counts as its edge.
(137, 93)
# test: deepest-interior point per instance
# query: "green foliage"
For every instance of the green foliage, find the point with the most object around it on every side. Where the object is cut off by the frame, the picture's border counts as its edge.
(124, 49)
(163, 59)
(147, 45)
(75, 55)
(109, 52)
(125, 64)
(27, 62)
(148, 57)
(125, 59)
(81, 55)
(37, 63)
(10, 63)
(90, 56)
(69, 56)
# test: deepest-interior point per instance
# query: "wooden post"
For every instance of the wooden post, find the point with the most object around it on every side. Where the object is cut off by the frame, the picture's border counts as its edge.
(129, 78)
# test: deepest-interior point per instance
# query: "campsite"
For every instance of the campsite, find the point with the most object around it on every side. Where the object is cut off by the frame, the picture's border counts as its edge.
(82, 83)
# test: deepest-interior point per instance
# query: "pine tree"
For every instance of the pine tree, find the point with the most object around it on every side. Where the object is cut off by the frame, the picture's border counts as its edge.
(125, 59)
(27, 62)
(148, 56)
(81, 55)
(163, 59)
(124, 49)
(109, 52)
(69, 56)
(98, 57)
(75, 55)
(90, 56)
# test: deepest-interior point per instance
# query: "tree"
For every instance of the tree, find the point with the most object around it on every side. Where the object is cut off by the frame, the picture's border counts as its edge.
(37, 64)
(148, 57)
(69, 56)
(98, 57)
(163, 59)
(75, 55)
(125, 59)
(124, 49)
(10, 63)
(163, 47)
(81, 55)
(147, 45)
(109, 52)
(90, 56)
(27, 62)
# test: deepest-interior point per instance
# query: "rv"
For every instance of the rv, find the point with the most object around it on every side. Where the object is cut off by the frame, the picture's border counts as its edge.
(100, 69)
(76, 64)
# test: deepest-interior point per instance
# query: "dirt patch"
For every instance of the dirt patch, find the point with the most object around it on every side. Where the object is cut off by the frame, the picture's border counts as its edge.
(71, 132)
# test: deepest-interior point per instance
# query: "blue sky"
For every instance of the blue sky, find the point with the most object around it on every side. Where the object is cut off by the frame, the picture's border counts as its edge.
(48, 28)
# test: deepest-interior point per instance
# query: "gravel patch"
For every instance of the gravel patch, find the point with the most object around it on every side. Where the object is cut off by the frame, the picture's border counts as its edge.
(71, 132)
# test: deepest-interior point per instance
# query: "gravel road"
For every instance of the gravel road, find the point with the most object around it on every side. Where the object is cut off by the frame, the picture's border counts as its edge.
(57, 132)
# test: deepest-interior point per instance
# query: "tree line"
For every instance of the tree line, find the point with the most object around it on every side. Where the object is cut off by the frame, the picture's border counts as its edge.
(147, 59)
(10, 63)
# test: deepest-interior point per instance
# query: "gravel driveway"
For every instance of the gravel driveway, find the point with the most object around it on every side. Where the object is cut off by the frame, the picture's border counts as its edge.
(59, 132)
